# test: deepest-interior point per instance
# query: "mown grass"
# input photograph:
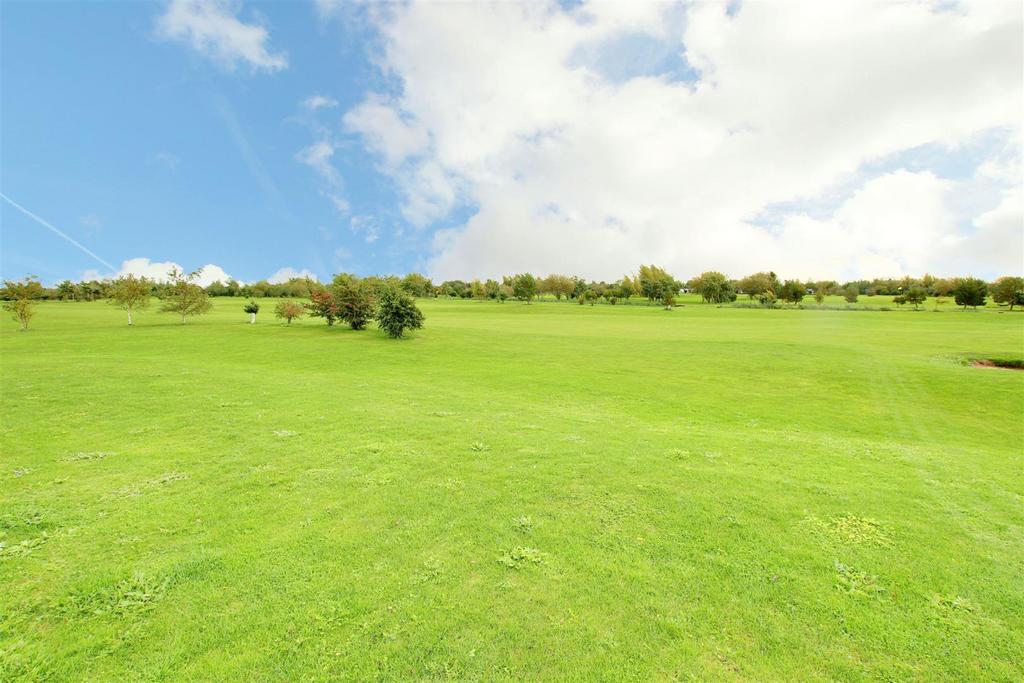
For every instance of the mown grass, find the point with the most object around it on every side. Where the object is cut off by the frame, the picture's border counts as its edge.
(544, 492)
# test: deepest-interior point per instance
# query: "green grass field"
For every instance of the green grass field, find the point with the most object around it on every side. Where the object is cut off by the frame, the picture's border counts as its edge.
(543, 492)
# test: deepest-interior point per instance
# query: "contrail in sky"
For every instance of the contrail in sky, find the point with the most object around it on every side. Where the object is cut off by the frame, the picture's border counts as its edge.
(45, 224)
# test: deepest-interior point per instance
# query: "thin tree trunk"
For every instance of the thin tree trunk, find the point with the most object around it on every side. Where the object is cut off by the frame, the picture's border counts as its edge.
(129, 316)
(252, 318)
(182, 318)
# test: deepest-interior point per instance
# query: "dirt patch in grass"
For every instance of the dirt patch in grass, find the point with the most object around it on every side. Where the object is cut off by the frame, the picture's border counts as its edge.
(998, 363)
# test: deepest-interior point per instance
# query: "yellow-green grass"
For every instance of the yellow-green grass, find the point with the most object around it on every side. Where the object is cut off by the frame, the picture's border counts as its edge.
(528, 492)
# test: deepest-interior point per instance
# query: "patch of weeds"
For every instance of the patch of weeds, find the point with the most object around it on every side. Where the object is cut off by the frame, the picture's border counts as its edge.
(21, 472)
(523, 524)
(23, 548)
(142, 487)
(953, 611)
(479, 446)
(87, 455)
(443, 413)
(430, 570)
(369, 480)
(520, 557)
(855, 582)
(136, 594)
(28, 526)
(284, 433)
(451, 484)
(575, 438)
(851, 530)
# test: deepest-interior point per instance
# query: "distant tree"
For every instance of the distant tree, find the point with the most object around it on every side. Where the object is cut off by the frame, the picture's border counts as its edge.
(969, 291)
(915, 295)
(559, 285)
(217, 288)
(397, 313)
(655, 283)
(524, 287)
(183, 296)
(130, 293)
(18, 298)
(850, 293)
(940, 301)
(477, 289)
(66, 290)
(899, 300)
(758, 283)
(819, 296)
(453, 288)
(491, 289)
(417, 285)
(626, 288)
(942, 288)
(355, 300)
(793, 291)
(590, 296)
(767, 298)
(252, 308)
(504, 293)
(714, 287)
(322, 305)
(1008, 290)
(289, 310)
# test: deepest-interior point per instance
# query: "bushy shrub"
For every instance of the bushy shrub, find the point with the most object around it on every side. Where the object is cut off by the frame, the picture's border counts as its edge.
(397, 313)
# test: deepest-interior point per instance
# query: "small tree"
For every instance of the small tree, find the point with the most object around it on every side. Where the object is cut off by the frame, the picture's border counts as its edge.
(183, 296)
(793, 291)
(252, 308)
(18, 298)
(397, 313)
(524, 287)
(130, 293)
(504, 293)
(850, 294)
(916, 296)
(714, 288)
(66, 290)
(354, 299)
(1008, 290)
(969, 291)
(322, 305)
(289, 310)
(767, 298)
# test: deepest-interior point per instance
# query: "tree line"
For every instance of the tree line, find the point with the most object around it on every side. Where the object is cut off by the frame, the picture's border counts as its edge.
(356, 300)
(351, 299)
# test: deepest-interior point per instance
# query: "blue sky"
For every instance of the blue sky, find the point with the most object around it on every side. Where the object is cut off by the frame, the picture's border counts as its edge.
(468, 140)
(137, 147)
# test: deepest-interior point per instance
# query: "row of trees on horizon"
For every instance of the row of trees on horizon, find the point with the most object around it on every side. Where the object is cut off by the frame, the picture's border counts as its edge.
(651, 282)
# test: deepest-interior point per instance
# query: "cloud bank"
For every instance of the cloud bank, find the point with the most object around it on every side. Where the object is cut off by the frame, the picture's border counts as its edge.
(213, 29)
(759, 135)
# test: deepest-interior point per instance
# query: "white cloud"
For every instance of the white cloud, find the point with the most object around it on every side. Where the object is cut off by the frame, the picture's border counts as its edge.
(318, 157)
(287, 273)
(166, 159)
(315, 102)
(158, 270)
(212, 28)
(365, 226)
(570, 172)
